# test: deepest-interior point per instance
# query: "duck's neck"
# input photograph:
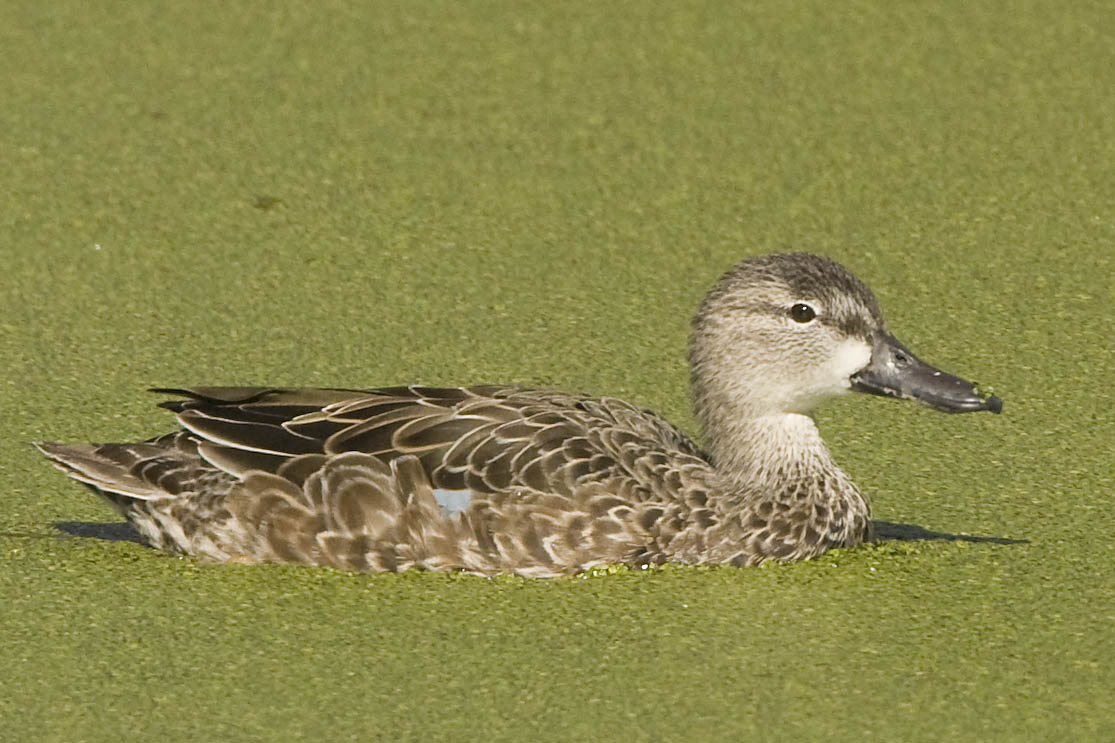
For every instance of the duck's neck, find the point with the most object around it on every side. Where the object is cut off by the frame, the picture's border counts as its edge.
(777, 455)
(784, 496)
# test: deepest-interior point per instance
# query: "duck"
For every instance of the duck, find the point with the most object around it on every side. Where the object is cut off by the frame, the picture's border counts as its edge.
(498, 479)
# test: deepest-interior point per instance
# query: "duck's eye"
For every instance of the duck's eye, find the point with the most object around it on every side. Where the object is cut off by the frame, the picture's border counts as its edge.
(802, 313)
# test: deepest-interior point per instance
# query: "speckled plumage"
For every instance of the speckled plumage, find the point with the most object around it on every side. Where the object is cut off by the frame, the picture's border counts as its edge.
(549, 483)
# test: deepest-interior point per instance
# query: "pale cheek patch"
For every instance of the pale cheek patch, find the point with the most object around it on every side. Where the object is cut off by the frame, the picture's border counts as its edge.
(850, 356)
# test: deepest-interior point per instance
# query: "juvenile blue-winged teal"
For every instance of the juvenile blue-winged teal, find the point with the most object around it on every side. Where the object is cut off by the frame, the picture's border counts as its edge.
(498, 479)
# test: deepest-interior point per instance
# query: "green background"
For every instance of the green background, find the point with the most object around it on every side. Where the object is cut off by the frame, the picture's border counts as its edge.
(457, 192)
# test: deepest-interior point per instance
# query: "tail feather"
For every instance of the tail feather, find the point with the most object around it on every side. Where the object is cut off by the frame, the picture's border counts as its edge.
(95, 466)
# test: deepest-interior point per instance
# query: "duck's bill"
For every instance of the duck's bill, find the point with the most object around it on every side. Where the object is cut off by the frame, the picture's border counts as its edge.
(895, 372)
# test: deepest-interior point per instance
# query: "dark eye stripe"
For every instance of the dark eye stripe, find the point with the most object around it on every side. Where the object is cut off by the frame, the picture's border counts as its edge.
(854, 325)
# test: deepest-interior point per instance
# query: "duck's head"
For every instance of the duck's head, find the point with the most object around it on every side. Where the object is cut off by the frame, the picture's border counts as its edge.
(781, 333)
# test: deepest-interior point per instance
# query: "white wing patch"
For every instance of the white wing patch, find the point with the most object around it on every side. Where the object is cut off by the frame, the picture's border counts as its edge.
(452, 502)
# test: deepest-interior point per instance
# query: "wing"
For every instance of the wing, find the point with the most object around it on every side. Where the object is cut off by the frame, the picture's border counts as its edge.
(487, 439)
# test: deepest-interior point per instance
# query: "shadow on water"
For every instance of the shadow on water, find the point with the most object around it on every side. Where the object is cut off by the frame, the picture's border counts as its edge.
(114, 532)
(887, 531)
(119, 531)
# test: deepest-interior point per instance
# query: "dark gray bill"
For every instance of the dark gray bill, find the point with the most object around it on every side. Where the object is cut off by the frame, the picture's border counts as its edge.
(895, 372)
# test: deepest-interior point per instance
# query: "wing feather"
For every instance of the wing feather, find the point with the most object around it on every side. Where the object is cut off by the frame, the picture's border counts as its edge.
(486, 439)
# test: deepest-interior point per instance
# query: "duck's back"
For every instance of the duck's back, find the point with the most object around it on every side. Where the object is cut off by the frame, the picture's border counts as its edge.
(488, 479)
